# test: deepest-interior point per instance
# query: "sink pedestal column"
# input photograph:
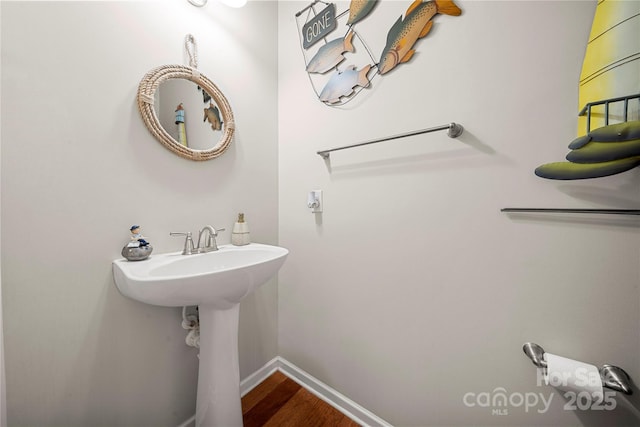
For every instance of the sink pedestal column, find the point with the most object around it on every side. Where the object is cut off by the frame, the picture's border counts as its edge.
(218, 402)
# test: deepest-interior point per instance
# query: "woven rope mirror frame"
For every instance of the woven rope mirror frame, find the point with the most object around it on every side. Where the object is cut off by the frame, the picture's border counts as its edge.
(146, 96)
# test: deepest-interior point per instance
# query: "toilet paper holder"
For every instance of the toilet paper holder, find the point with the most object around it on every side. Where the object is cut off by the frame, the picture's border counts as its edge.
(613, 377)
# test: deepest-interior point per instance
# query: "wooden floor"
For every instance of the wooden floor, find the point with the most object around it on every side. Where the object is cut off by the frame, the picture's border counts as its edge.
(279, 401)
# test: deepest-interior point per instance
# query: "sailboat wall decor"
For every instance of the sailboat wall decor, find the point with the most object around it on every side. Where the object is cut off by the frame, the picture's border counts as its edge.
(608, 140)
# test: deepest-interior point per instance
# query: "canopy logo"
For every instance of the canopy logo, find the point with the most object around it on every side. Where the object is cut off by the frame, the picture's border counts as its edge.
(499, 401)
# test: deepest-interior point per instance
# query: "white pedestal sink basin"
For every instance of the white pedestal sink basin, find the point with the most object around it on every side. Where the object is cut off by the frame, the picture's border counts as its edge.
(216, 282)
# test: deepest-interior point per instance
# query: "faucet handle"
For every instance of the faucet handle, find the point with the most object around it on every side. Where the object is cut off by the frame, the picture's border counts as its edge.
(212, 244)
(188, 241)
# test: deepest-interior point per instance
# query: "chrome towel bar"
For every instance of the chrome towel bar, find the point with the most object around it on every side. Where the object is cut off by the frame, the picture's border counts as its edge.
(613, 377)
(454, 131)
(583, 211)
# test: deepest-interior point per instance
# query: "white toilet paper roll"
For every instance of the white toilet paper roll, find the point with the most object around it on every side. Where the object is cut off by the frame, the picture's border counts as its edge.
(570, 375)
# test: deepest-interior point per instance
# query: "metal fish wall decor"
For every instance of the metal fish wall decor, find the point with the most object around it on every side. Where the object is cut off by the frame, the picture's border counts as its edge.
(330, 54)
(343, 84)
(340, 86)
(405, 32)
(359, 9)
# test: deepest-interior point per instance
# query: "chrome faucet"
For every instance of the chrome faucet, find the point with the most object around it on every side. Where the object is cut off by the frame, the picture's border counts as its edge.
(209, 244)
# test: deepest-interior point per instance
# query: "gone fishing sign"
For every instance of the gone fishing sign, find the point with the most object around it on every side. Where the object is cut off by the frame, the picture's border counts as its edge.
(326, 54)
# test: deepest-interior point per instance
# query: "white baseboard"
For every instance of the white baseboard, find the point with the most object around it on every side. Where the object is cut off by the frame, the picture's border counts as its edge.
(249, 383)
(339, 401)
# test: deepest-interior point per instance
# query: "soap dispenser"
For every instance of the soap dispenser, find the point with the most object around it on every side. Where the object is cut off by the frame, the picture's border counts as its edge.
(240, 234)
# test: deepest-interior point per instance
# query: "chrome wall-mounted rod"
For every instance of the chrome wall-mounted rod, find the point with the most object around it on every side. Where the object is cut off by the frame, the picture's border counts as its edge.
(582, 211)
(613, 377)
(454, 131)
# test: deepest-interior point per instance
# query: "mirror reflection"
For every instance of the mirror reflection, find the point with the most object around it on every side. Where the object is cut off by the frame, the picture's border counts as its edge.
(201, 120)
(189, 114)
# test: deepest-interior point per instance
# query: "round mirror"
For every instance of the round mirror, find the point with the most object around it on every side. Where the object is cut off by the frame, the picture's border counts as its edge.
(186, 112)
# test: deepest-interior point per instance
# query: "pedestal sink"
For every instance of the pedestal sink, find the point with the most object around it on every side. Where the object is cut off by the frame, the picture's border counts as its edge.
(216, 282)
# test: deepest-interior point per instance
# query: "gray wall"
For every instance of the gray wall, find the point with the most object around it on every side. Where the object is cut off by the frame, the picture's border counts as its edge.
(412, 289)
(79, 167)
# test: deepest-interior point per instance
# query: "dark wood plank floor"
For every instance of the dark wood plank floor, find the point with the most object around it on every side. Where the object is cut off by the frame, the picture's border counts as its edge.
(279, 401)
